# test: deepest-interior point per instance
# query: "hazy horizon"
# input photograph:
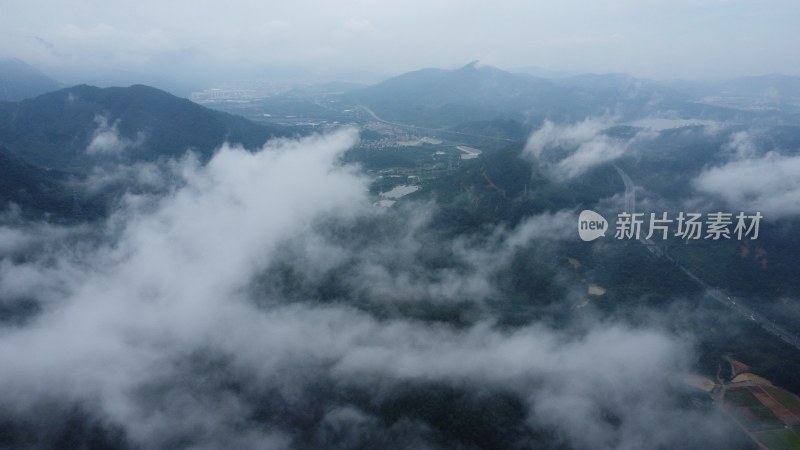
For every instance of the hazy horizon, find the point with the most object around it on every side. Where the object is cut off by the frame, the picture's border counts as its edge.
(200, 42)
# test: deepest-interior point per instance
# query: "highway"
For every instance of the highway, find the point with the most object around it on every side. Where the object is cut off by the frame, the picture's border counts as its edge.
(734, 303)
(630, 191)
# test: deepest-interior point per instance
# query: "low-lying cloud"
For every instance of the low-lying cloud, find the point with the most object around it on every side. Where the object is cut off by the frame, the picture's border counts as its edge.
(769, 184)
(740, 145)
(106, 139)
(568, 151)
(164, 327)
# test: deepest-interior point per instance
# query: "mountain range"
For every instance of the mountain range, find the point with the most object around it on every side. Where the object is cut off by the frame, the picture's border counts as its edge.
(478, 93)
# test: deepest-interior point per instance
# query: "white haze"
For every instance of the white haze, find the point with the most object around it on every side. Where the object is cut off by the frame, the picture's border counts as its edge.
(567, 151)
(754, 179)
(153, 325)
(653, 38)
(106, 139)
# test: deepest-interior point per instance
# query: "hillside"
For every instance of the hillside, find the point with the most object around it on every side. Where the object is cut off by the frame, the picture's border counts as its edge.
(79, 127)
(34, 189)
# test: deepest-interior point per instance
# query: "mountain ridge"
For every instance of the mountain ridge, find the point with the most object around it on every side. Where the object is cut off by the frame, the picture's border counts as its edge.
(58, 129)
(477, 92)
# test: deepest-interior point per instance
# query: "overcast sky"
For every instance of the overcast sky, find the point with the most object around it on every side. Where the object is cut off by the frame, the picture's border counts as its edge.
(236, 38)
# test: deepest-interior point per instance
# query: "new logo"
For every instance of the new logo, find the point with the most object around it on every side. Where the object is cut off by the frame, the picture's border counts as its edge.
(591, 225)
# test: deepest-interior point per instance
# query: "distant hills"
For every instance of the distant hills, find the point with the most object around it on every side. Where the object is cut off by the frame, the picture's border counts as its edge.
(19, 81)
(768, 86)
(76, 128)
(773, 85)
(475, 93)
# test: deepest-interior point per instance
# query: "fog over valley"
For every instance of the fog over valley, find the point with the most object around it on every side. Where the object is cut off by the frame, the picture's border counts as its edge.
(419, 226)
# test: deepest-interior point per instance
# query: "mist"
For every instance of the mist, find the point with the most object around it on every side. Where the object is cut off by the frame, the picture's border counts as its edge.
(173, 323)
(200, 42)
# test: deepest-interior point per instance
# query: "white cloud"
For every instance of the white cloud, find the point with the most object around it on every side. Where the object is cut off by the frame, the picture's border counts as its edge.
(106, 139)
(157, 324)
(168, 280)
(599, 150)
(769, 184)
(740, 145)
(551, 135)
(568, 151)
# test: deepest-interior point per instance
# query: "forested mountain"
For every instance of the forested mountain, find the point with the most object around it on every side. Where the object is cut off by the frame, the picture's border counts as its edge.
(78, 127)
